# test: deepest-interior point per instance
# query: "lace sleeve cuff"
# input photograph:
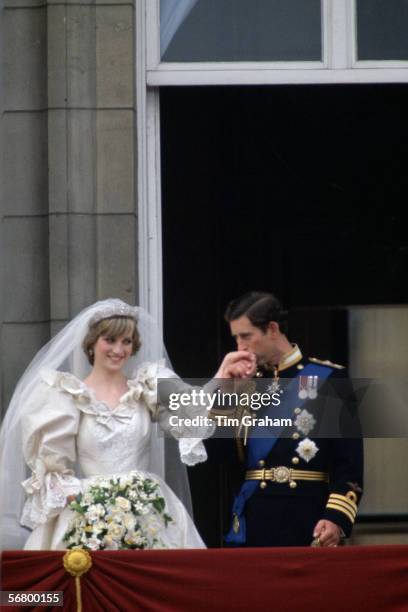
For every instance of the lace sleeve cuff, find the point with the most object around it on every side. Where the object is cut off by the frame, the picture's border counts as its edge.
(47, 494)
(192, 451)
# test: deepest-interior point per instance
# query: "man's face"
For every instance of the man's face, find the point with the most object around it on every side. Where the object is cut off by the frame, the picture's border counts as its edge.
(252, 339)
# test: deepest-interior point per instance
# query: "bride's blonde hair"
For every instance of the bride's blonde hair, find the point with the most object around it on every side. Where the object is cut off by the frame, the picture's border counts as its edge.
(114, 327)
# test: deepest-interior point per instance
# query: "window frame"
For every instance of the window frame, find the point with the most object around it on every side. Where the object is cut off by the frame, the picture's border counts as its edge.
(339, 63)
(369, 64)
(339, 66)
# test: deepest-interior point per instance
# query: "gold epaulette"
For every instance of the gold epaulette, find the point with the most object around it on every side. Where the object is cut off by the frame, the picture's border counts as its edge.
(327, 363)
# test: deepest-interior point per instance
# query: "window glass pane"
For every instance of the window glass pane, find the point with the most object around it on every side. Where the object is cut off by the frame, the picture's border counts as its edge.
(382, 29)
(240, 30)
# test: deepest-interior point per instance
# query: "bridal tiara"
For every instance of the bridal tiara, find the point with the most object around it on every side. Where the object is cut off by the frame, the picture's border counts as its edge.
(117, 310)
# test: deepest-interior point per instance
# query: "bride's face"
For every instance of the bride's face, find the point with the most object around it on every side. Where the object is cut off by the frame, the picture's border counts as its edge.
(112, 353)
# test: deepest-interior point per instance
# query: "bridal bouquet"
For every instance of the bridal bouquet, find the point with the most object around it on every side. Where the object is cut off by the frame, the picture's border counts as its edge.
(116, 513)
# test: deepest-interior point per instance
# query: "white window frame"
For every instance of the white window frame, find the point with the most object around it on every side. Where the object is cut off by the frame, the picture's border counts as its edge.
(212, 69)
(148, 173)
(399, 65)
(339, 65)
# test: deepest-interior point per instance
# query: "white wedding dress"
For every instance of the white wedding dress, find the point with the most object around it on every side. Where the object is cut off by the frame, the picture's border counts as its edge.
(67, 432)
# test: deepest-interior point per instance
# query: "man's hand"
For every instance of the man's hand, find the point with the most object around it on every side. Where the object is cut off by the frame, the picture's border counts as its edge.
(238, 364)
(329, 533)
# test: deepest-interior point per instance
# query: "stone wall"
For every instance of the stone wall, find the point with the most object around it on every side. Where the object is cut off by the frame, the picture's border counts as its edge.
(69, 226)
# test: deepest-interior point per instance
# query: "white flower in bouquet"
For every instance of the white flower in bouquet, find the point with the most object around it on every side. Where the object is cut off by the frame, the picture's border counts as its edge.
(99, 526)
(123, 503)
(141, 508)
(129, 521)
(104, 484)
(124, 482)
(136, 538)
(109, 543)
(94, 543)
(116, 531)
(94, 512)
(80, 523)
(115, 514)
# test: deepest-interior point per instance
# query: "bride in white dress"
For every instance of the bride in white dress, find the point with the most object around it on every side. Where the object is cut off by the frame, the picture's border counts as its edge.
(78, 422)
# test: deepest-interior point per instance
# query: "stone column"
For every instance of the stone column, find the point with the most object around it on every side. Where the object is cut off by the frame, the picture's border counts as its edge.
(24, 188)
(70, 224)
(91, 155)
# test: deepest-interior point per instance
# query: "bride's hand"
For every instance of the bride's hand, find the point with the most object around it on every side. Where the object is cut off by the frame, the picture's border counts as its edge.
(237, 364)
(70, 498)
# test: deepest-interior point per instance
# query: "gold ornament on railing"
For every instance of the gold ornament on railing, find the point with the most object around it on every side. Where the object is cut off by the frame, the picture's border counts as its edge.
(77, 562)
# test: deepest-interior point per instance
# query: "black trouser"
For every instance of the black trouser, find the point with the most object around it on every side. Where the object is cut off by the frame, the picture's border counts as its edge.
(279, 520)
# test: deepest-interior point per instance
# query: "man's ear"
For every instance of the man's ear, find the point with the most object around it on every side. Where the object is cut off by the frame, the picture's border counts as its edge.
(273, 328)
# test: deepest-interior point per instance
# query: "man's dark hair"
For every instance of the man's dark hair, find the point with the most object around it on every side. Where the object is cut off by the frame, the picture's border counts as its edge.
(260, 308)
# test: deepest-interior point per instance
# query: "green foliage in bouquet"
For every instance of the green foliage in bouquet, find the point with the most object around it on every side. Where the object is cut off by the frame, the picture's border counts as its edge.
(117, 513)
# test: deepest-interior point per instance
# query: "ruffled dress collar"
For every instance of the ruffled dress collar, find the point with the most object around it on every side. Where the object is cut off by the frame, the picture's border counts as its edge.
(141, 389)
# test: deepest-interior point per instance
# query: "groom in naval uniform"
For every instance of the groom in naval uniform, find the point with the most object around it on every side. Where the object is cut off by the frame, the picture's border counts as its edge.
(297, 490)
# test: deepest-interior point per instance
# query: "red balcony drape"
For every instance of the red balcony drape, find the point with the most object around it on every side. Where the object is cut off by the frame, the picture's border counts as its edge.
(368, 578)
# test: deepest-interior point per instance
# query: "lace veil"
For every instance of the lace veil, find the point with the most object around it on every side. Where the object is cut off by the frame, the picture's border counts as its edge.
(64, 352)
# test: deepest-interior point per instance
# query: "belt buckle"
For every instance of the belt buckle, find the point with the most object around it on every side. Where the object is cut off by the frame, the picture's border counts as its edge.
(281, 474)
